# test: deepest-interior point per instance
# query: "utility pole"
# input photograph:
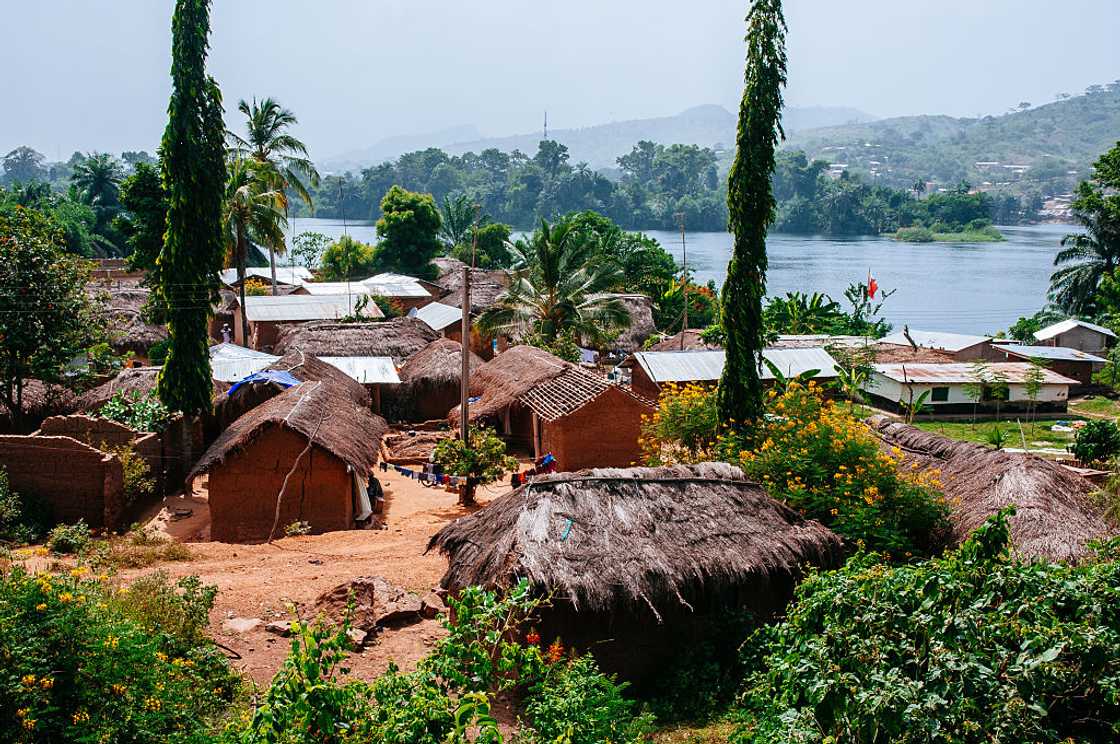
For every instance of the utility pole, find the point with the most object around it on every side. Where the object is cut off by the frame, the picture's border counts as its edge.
(465, 374)
(546, 124)
(684, 278)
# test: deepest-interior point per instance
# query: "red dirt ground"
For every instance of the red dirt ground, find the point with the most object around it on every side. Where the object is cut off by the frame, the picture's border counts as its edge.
(264, 581)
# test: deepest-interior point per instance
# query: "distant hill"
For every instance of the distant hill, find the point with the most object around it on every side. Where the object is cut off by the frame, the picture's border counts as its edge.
(1050, 140)
(601, 145)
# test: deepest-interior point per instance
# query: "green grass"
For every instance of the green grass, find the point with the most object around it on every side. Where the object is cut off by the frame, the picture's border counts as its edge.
(712, 732)
(925, 235)
(1096, 406)
(1038, 434)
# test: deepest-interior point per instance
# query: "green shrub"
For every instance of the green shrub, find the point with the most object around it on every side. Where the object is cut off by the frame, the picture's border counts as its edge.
(69, 538)
(157, 352)
(914, 234)
(972, 647)
(576, 704)
(138, 412)
(1096, 442)
(137, 549)
(82, 664)
(138, 484)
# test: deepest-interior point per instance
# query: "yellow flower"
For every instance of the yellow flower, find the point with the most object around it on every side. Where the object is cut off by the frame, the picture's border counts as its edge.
(161, 656)
(79, 571)
(29, 724)
(23, 712)
(41, 606)
(80, 717)
(65, 597)
(28, 680)
(118, 689)
(111, 641)
(46, 683)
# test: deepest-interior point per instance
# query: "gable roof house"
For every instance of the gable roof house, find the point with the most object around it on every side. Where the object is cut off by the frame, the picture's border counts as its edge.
(651, 370)
(267, 314)
(443, 319)
(949, 386)
(1078, 334)
(962, 347)
(313, 431)
(547, 405)
(407, 292)
(398, 338)
(638, 561)
(292, 276)
(1072, 363)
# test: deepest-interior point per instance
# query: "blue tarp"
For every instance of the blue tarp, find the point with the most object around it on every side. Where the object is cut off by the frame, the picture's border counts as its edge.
(278, 376)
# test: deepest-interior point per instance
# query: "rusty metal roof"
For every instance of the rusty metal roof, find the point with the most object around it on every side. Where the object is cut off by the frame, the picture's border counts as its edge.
(960, 373)
(1055, 353)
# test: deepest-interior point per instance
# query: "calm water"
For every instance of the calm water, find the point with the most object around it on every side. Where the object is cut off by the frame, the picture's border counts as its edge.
(976, 288)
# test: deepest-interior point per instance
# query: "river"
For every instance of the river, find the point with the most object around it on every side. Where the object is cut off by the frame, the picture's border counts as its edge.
(965, 288)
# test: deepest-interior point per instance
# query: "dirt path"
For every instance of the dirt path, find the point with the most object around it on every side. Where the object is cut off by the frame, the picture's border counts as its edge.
(264, 581)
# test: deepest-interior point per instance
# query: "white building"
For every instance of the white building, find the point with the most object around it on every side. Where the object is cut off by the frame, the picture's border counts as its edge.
(949, 386)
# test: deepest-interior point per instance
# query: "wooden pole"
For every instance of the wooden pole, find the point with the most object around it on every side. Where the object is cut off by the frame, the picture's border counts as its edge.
(684, 287)
(464, 379)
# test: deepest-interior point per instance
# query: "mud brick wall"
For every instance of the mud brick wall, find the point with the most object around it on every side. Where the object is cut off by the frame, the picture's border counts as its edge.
(602, 434)
(108, 435)
(77, 481)
(242, 490)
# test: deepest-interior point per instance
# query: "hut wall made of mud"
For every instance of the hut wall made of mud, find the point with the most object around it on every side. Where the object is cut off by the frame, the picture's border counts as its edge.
(75, 480)
(243, 489)
(602, 434)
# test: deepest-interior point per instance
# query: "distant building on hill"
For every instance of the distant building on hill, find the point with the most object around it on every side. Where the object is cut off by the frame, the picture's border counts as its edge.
(1077, 334)
(949, 386)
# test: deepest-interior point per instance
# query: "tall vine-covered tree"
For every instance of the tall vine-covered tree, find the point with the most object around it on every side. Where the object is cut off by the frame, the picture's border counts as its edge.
(751, 206)
(194, 173)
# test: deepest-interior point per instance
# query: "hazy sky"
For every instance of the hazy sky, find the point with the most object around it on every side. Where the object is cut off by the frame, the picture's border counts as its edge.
(93, 74)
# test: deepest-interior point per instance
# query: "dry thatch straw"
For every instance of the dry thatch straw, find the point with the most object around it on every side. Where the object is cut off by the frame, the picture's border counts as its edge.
(505, 378)
(486, 286)
(609, 540)
(692, 342)
(398, 338)
(437, 364)
(140, 381)
(640, 309)
(319, 411)
(124, 320)
(417, 447)
(1055, 517)
(39, 400)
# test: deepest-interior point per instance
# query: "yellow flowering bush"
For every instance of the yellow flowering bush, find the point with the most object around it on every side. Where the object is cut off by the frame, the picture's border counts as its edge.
(816, 457)
(683, 428)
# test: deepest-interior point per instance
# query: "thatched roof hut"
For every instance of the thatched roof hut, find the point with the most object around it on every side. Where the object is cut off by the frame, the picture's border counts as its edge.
(313, 431)
(692, 342)
(486, 286)
(128, 331)
(1055, 517)
(398, 338)
(640, 309)
(39, 401)
(635, 559)
(430, 379)
(139, 380)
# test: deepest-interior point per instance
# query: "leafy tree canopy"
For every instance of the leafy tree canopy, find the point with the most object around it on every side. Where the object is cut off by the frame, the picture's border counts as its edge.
(408, 231)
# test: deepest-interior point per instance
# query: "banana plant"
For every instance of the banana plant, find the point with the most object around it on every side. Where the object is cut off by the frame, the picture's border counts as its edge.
(914, 406)
(782, 381)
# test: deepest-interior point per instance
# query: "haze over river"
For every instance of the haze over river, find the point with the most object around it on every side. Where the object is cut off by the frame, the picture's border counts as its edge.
(966, 288)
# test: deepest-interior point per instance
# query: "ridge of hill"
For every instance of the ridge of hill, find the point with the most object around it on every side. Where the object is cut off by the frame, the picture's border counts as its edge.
(1046, 148)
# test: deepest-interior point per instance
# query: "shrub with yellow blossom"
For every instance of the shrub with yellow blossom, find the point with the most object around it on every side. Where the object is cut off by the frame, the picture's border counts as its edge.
(79, 662)
(683, 428)
(816, 457)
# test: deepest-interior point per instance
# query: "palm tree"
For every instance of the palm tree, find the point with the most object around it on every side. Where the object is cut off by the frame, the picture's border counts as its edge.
(251, 212)
(458, 221)
(557, 287)
(98, 179)
(267, 142)
(1085, 258)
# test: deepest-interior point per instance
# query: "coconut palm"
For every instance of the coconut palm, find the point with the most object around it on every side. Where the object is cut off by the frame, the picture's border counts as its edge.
(458, 221)
(251, 212)
(1084, 259)
(557, 287)
(268, 143)
(98, 179)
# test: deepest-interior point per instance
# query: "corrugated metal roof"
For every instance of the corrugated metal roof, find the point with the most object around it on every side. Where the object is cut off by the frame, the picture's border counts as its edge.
(396, 285)
(1056, 353)
(707, 366)
(294, 275)
(334, 288)
(936, 340)
(1011, 372)
(230, 362)
(439, 316)
(367, 370)
(297, 308)
(1068, 325)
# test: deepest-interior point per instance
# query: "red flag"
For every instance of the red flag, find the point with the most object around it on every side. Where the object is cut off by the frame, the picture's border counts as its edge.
(872, 286)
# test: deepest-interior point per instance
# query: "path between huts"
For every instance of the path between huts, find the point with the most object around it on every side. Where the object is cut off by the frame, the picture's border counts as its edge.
(262, 581)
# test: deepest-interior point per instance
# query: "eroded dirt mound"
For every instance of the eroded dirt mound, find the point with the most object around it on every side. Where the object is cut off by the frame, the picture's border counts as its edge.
(375, 603)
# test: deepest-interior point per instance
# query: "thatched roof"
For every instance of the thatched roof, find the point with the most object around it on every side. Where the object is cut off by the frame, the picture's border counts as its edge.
(1055, 517)
(139, 380)
(610, 539)
(692, 342)
(413, 446)
(309, 368)
(319, 411)
(128, 331)
(505, 378)
(640, 309)
(398, 338)
(486, 286)
(439, 363)
(39, 400)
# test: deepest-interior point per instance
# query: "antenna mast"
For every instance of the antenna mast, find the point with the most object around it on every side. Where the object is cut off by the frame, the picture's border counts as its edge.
(546, 124)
